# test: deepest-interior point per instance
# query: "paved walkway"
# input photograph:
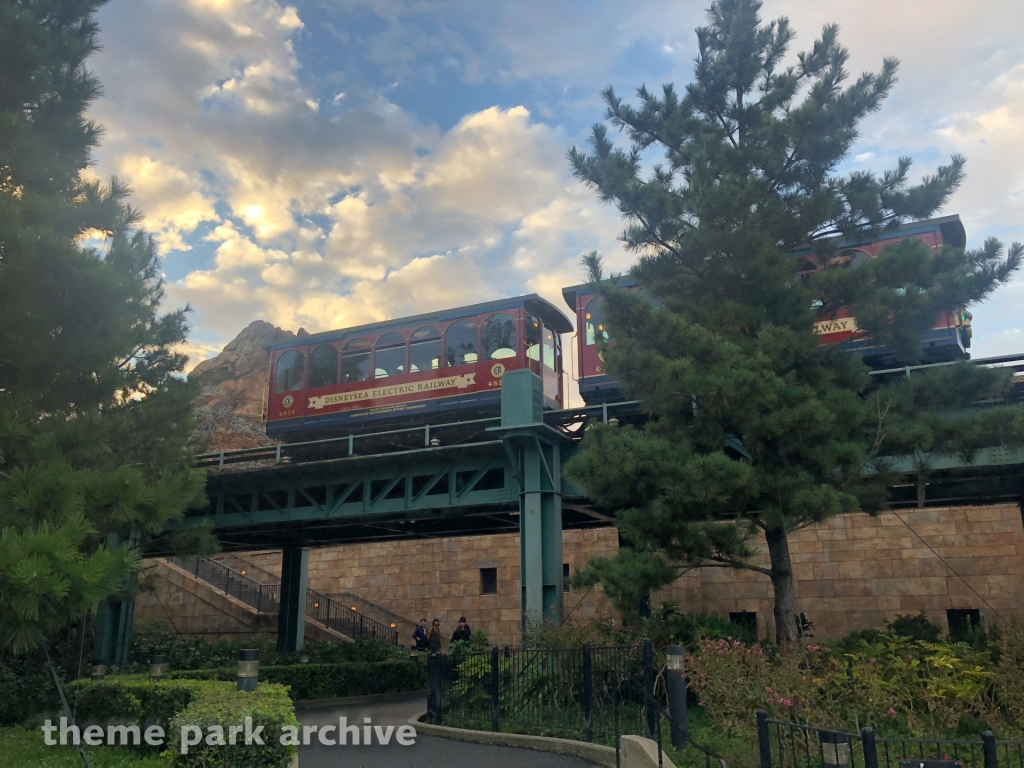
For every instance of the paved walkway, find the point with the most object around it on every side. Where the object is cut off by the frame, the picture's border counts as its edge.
(427, 752)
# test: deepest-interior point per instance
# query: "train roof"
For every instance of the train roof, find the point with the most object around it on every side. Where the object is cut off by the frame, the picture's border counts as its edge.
(952, 229)
(544, 309)
(569, 294)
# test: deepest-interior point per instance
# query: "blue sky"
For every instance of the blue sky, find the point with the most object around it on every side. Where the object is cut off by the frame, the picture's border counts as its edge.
(324, 164)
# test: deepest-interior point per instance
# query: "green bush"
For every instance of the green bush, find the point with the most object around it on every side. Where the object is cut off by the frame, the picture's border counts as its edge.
(918, 627)
(174, 703)
(197, 652)
(268, 706)
(328, 681)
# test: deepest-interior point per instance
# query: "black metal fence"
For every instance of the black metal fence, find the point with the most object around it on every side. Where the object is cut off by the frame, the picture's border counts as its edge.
(266, 598)
(783, 744)
(342, 618)
(590, 694)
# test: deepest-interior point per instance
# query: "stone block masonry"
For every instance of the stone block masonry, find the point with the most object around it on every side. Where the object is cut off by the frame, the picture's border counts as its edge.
(852, 572)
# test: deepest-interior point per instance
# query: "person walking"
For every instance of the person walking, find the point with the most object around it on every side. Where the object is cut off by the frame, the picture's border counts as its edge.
(419, 636)
(462, 632)
(434, 636)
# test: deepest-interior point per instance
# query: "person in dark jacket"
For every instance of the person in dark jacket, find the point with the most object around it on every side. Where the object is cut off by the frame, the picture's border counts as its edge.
(434, 636)
(419, 636)
(462, 632)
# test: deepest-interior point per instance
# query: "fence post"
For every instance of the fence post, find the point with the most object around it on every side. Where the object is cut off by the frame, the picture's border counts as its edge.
(988, 741)
(651, 715)
(433, 686)
(676, 685)
(867, 738)
(494, 688)
(588, 694)
(764, 743)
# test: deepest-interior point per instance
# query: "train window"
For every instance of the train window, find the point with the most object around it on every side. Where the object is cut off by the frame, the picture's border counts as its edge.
(460, 343)
(355, 361)
(289, 371)
(425, 350)
(498, 337)
(593, 319)
(389, 359)
(849, 258)
(549, 348)
(533, 333)
(323, 366)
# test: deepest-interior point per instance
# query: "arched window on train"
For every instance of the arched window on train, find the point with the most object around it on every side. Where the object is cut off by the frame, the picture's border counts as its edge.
(460, 343)
(498, 337)
(355, 361)
(593, 321)
(533, 334)
(849, 258)
(389, 356)
(289, 371)
(548, 345)
(323, 366)
(425, 350)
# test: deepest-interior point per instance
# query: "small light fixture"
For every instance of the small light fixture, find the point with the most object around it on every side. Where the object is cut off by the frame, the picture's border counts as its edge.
(435, 442)
(159, 666)
(248, 669)
(835, 749)
(99, 670)
(243, 571)
(613, 421)
(316, 605)
(304, 658)
(393, 625)
(674, 658)
(353, 607)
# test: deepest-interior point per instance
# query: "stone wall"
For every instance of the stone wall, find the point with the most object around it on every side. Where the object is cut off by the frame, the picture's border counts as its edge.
(856, 571)
(441, 577)
(852, 572)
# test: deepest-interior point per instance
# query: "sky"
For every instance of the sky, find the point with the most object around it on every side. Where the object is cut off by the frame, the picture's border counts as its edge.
(327, 164)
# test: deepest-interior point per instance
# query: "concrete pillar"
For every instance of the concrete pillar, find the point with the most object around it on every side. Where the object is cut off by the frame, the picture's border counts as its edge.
(291, 622)
(535, 450)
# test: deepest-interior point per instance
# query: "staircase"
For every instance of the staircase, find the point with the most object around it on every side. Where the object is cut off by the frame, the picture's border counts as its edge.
(266, 598)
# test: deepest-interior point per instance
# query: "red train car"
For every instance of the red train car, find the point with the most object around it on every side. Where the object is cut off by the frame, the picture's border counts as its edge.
(408, 370)
(949, 338)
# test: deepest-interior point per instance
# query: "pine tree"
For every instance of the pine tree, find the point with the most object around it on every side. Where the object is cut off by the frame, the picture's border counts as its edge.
(752, 429)
(95, 419)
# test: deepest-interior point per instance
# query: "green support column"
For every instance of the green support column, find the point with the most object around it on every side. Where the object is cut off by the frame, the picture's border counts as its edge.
(534, 451)
(114, 618)
(291, 622)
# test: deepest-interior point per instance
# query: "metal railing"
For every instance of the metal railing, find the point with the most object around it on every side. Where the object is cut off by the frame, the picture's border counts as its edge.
(783, 744)
(342, 618)
(589, 694)
(266, 598)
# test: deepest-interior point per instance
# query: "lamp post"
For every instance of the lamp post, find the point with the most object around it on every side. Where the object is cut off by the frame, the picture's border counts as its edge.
(248, 669)
(676, 685)
(835, 749)
(159, 666)
(99, 670)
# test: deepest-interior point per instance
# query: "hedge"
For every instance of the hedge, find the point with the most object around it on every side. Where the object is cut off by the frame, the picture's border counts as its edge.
(172, 704)
(328, 681)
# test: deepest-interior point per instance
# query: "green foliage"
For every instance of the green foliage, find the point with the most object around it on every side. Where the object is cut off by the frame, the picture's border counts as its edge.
(918, 627)
(752, 429)
(196, 652)
(268, 706)
(21, 747)
(172, 704)
(477, 643)
(328, 681)
(95, 421)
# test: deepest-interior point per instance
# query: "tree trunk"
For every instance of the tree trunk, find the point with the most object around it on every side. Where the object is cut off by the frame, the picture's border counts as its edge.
(785, 590)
